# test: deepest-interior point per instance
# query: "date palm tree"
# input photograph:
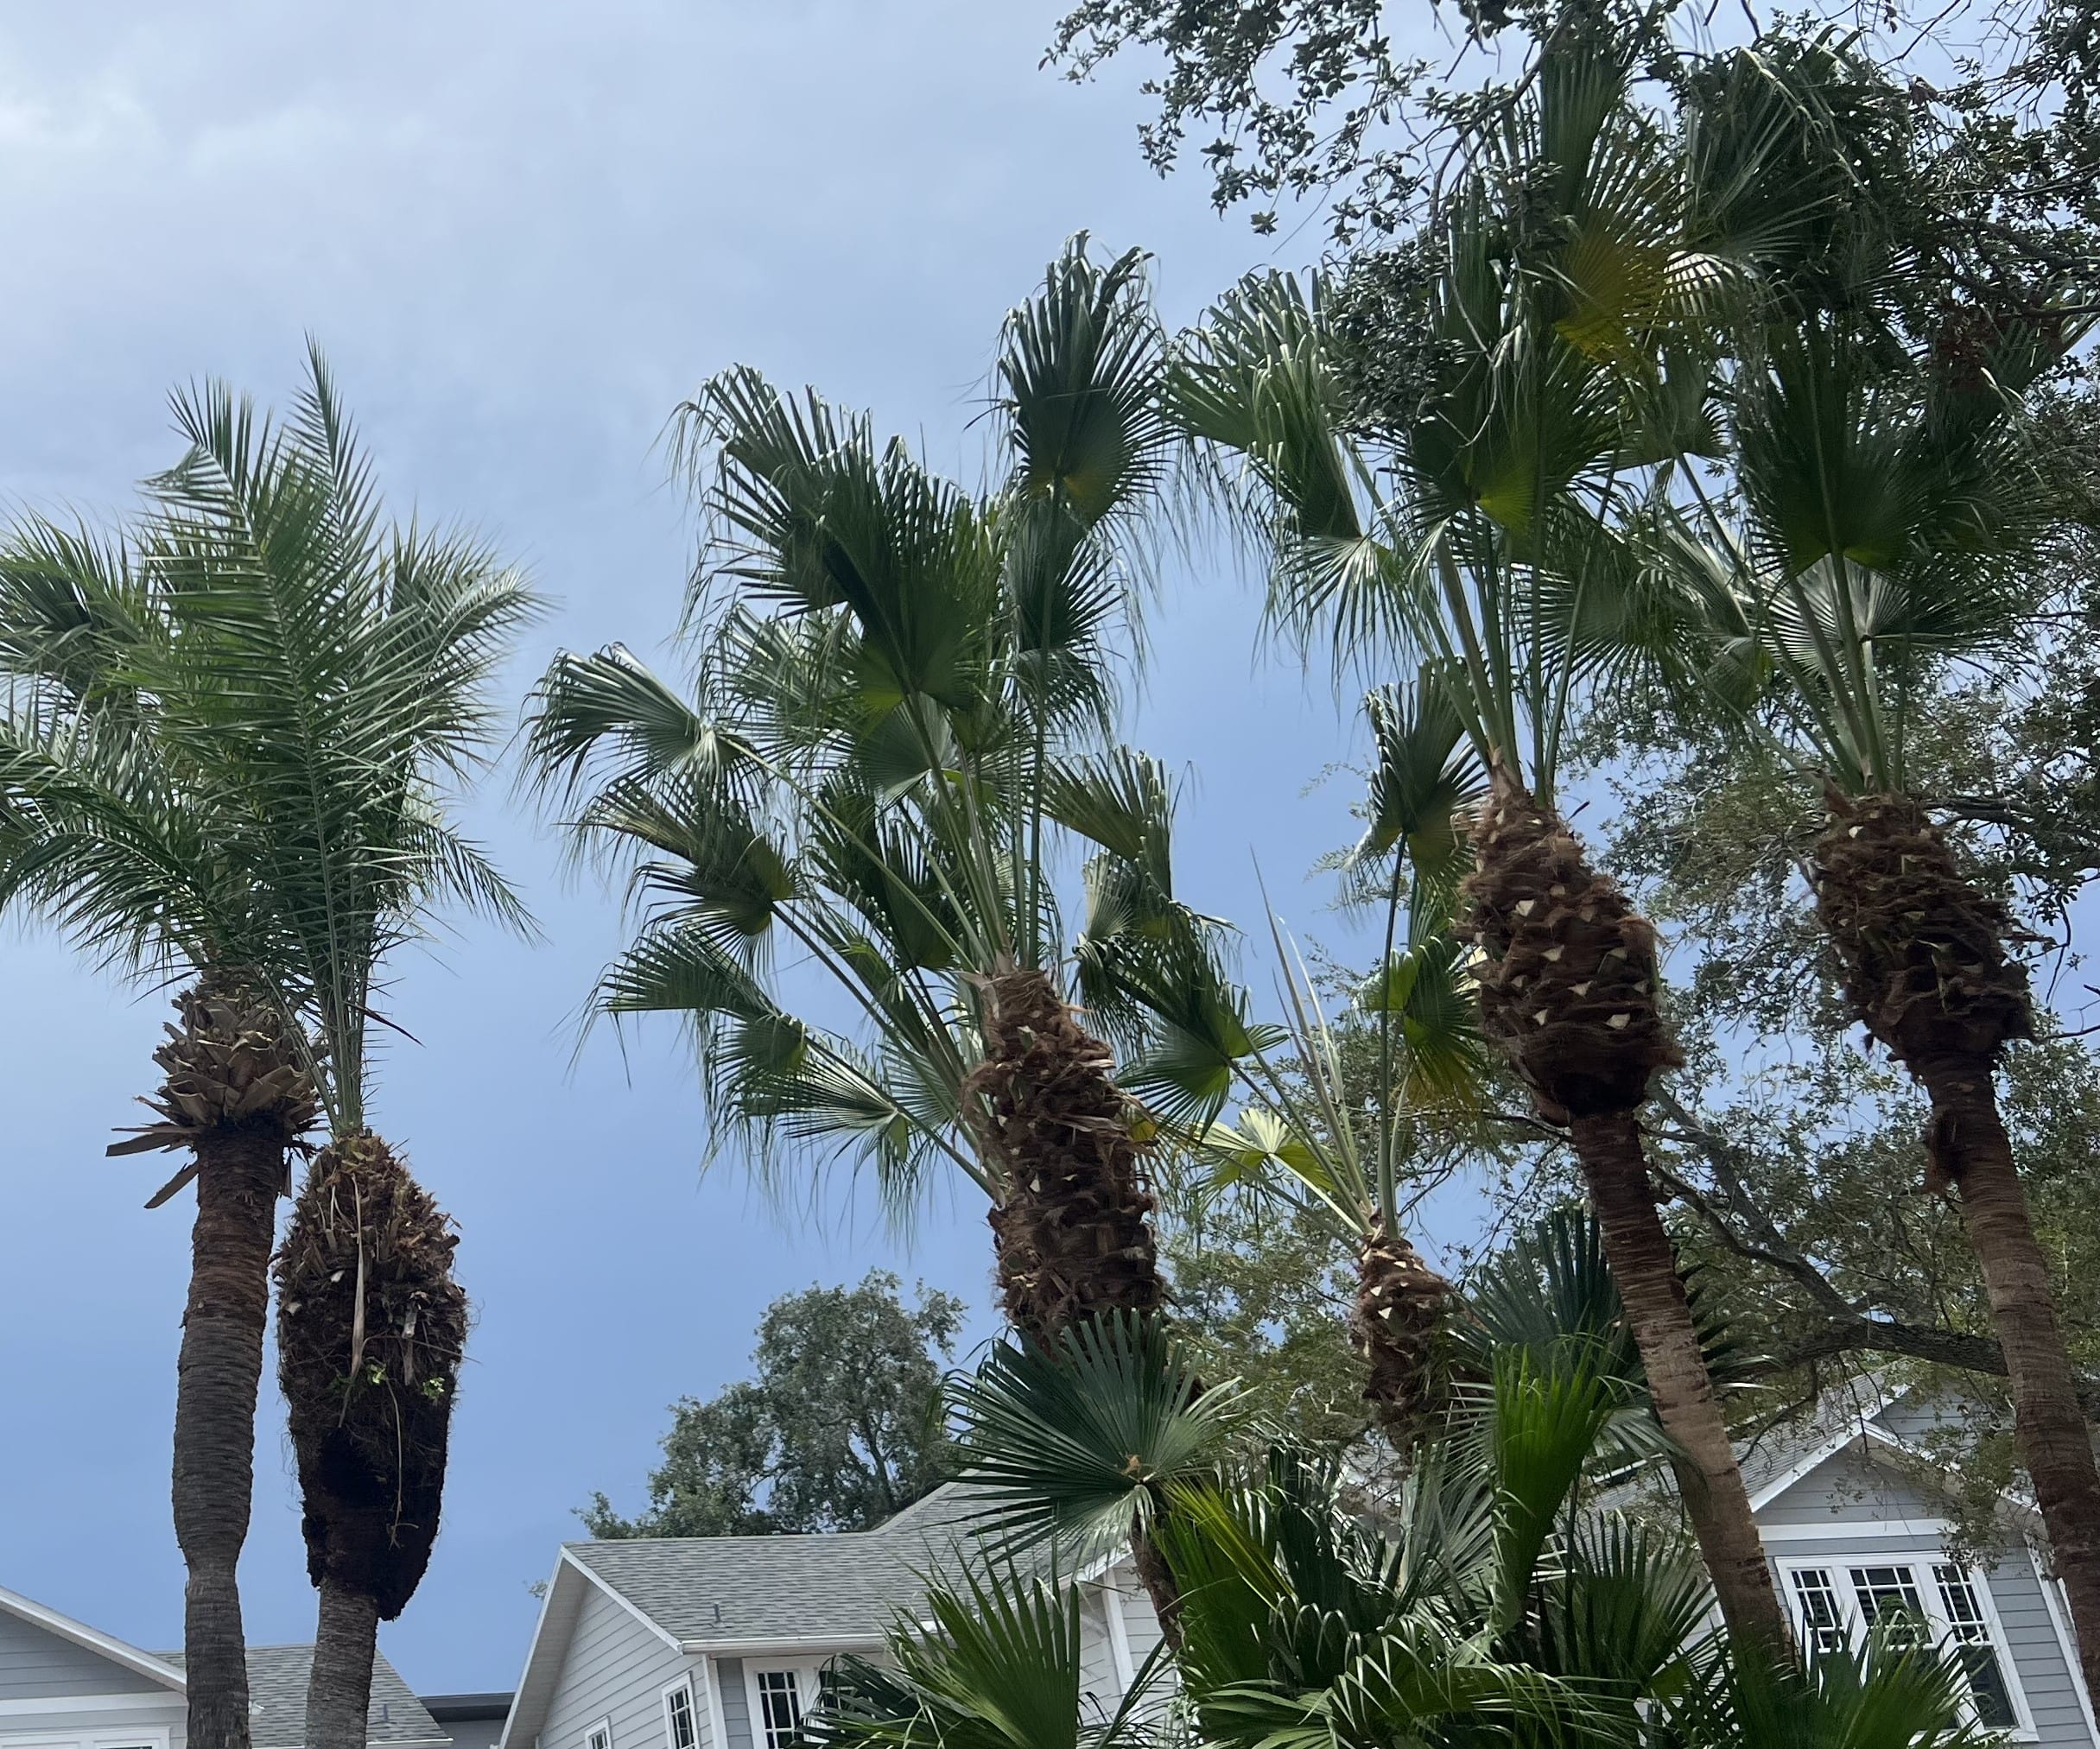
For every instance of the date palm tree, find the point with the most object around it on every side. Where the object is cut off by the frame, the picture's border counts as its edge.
(226, 751)
(1486, 532)
(1894, 512)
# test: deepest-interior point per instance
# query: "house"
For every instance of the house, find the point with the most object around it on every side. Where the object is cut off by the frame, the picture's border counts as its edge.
(1853, 1533)
(66, 1685)
(716, 1642)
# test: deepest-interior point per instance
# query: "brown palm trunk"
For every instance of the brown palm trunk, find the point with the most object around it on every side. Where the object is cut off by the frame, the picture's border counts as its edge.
(1927, 974)
(1644, 1266)
(1398, 1319)
(235, 1096)
(239, 1175)
(1569, 990)
(1072, 1233)
(338, 1692)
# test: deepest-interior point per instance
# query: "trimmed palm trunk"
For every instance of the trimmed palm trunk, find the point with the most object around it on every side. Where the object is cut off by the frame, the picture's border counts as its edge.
(372, 1327)
(1073, 1232)
(1927, 974)
(1569, 984)
(235, 1093)
(1396, 1324)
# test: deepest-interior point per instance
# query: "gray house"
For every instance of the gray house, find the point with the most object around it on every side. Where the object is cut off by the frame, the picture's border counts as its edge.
(716, 1642)
(1852, 1535)
(66, 1685)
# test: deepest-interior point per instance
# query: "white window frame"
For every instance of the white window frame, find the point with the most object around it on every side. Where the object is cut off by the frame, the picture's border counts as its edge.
(1917, 1567)
(807, 1674)
(682, 1685)
(599, 1735)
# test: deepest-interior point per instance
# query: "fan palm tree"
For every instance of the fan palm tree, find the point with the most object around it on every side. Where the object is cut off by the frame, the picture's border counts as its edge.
(227, 735)
(1488, 534)
(1894, 518)
(903, 720)
(901, 728)
(1501, 1599)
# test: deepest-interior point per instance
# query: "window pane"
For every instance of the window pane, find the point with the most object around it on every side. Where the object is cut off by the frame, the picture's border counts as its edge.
(1975, 1653)
(678, 1709)
(1890, 1594)
(779, 1706)
(1815, 1601)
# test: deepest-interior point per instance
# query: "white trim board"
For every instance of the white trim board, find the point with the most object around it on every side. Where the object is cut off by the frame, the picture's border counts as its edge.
(28, 1706)
(1852, 1530)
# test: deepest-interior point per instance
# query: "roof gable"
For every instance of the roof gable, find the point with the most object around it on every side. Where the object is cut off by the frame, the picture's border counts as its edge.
(141, 1669)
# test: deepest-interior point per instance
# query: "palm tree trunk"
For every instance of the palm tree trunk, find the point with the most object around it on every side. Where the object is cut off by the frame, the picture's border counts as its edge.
(235, 1096)
(239, 1173)
(2056, 1443)
(1659, 1312)
(1072, 1232)
(1073, 1229)
(372, 1329)
(1927, 974)
(1399, 1316)
(338, 1692)
(1569, 990)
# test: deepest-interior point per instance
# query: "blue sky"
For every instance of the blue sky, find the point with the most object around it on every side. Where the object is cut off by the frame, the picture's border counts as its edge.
(523, 231)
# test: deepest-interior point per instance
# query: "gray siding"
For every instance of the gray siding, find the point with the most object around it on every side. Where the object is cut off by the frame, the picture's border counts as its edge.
(736, 1704)
(116, 1727)
(614, 1668)
(35, 1663)
(2038, 1655)
(1850, 1486)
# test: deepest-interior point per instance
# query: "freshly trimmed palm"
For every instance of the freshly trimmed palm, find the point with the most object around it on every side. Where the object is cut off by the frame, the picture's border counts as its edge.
(900, 733)
(1894, 512)
(1559, 364)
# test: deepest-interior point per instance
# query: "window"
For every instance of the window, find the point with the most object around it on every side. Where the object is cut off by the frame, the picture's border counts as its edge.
(1837, 1603)
(599, 1736)
(780, 1708)
(680, 1729)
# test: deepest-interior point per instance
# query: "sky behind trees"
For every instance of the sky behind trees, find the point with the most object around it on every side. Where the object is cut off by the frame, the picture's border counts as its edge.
(523, 233)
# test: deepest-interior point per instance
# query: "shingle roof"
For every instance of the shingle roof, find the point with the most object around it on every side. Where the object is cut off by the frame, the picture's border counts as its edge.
(829, 1585)
(277, 1700)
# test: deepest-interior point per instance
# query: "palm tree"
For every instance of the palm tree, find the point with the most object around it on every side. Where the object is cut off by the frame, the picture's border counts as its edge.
(1304, 1135)
(1501, 1597)
(226, 738)
(1488, 537)
(902, 723)
(903, 720)
(1895, 517)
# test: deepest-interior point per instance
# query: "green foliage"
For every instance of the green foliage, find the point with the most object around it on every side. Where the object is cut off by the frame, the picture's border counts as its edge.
(236, 727)
(841, 1428)
(899, 739)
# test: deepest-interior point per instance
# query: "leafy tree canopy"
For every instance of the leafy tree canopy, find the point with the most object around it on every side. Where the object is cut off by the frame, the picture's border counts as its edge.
(841, 1427)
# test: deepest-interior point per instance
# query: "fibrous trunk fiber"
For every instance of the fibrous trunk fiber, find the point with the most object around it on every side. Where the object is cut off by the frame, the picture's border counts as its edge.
(371, 1328)
(235, 1095)
(338, 1692)
(1568, 982)
(1927, 971)
(1397, 1325)
(1073, 1229)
